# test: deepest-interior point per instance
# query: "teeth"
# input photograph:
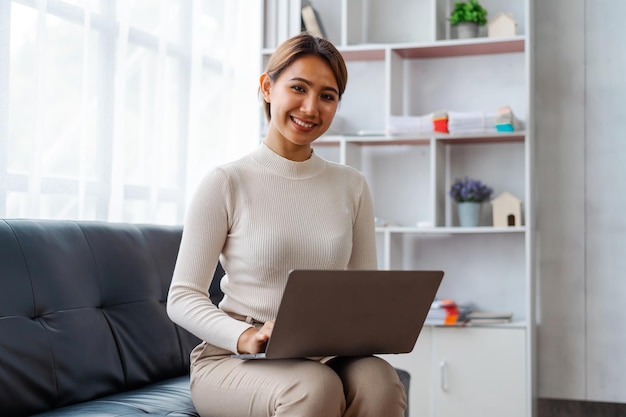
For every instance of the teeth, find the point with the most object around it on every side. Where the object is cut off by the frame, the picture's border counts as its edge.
(301, 123)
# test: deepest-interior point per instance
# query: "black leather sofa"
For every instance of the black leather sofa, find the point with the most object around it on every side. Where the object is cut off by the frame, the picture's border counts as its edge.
(83, 327)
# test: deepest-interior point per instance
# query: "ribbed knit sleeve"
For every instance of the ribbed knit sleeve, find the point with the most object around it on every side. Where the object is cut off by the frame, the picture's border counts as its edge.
(204, 234)
(363, 238)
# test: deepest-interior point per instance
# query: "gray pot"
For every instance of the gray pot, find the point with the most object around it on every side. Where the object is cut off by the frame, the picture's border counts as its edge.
(469, 213)
(466, 30)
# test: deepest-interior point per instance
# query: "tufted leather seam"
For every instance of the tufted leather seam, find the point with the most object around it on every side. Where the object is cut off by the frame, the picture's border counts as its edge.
(90, 308)
(154, 260)
(39, 321)
(19, 244)
(179, 340)
(103, 311)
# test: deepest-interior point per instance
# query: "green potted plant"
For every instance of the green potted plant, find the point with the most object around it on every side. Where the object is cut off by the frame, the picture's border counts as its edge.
(469, 195)
(467, 16)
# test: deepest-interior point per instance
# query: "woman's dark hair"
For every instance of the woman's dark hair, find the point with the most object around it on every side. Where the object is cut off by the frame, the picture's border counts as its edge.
(305, 44)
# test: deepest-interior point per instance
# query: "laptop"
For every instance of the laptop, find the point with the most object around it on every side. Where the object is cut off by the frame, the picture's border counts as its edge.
(350, 313)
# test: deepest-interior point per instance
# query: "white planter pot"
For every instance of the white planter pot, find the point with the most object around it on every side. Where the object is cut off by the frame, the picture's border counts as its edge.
(469, 213)
(467, 30)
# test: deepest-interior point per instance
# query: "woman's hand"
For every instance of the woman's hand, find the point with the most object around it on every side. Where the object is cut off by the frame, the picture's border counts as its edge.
(253, 340)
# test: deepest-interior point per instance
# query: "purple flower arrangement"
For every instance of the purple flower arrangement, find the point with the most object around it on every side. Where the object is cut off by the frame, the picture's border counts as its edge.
(468, 189)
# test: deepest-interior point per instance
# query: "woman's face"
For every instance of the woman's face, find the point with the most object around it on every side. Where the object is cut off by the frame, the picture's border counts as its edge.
(304, 99)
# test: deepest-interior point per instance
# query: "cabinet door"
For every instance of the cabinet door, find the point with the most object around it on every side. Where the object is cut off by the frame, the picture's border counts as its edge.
(418, 364)
(479, 372)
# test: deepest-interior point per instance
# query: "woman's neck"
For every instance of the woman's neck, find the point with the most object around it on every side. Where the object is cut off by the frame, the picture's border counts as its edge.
(293, 152)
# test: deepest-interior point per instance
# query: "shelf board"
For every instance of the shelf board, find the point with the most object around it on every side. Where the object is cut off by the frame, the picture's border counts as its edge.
(449, 230)
(513, 324)
(381, 140)
(437, 49)
(518, 136)
(366, 52)
(463, 47)
(371, 140)
(390, 141)
(386, 140)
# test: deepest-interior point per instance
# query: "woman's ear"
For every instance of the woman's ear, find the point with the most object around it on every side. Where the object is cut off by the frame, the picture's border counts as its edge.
(264, 86)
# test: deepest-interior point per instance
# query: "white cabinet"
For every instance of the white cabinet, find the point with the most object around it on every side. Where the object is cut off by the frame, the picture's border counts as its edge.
(477, 371)
(402, 62)
(480, 372)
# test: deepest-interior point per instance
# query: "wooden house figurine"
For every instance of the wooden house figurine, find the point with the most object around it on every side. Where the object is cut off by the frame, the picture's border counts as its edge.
(502, 26)
(507, 210)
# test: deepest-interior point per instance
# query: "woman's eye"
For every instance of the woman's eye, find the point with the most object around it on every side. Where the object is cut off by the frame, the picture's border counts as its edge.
(298, 88)
(328, 97)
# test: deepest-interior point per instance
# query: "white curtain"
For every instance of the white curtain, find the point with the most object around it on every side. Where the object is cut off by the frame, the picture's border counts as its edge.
(114, 109)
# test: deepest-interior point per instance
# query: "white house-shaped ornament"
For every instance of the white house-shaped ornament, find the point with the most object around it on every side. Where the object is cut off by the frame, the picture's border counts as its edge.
(507, 210)
(502, 26)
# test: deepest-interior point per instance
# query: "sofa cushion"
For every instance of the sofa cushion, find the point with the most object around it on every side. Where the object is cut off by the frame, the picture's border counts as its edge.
(82, 312)
(167, 398)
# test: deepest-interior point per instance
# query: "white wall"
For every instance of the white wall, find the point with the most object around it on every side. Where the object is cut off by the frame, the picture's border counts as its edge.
(580, 122)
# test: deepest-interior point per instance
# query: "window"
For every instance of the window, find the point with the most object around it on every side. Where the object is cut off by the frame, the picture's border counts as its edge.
(114, 109)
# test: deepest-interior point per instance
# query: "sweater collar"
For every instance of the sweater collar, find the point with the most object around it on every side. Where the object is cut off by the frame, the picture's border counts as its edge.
(287, 168)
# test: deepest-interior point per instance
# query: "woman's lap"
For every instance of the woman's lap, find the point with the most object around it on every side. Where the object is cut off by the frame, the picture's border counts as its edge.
(222, 386)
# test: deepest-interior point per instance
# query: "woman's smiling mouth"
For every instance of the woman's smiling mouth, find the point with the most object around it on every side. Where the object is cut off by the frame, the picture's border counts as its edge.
(302, 123)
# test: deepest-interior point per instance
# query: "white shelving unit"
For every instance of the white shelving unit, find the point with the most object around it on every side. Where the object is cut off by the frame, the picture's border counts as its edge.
(401, 62)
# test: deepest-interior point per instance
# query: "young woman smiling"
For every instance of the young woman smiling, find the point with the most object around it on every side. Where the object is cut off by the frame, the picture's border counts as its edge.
(282, 207)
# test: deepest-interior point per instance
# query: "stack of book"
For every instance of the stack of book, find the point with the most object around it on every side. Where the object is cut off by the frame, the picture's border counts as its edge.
(471, 122)
(481, 317)
(446, 313)
(506, 120)
(455, 122)
(440, 121)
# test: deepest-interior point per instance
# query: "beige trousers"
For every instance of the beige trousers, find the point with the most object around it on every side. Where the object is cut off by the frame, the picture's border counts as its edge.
(342, 387)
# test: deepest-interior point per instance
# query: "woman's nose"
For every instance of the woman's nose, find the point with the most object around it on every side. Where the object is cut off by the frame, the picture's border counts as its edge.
(310, 105)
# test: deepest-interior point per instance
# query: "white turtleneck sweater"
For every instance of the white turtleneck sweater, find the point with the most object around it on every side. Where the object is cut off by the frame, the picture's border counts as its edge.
(262, 216)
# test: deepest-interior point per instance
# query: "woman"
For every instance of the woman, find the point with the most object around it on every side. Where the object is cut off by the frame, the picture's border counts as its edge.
(282, 207)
